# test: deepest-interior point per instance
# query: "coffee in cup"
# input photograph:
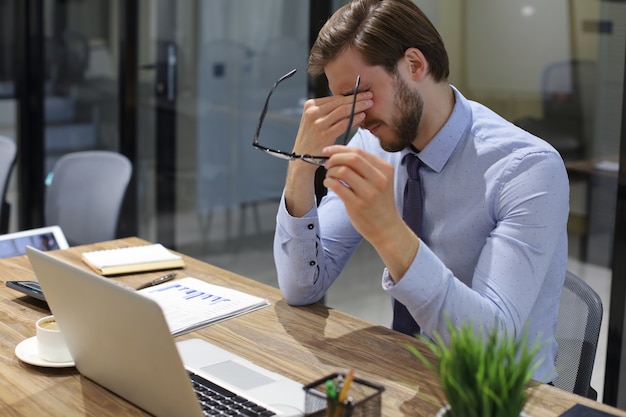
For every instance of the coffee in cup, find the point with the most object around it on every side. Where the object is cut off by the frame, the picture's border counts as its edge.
(50, 325)
(50, 341)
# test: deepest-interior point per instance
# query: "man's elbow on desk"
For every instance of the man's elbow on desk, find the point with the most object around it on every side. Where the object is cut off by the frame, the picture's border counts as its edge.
(297, 295)
(295, 299)
(299, 303)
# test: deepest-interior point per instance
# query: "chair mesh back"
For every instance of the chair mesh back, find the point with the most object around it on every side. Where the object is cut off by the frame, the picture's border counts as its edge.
(578, 328)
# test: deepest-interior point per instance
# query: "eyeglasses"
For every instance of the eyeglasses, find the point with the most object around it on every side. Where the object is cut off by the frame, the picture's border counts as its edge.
(311, 159)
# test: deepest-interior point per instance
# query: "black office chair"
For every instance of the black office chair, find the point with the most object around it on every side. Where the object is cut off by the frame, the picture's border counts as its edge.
(8, 152)
(577, 332)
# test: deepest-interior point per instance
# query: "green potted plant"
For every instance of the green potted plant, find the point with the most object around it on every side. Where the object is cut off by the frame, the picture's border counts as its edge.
(482, 375)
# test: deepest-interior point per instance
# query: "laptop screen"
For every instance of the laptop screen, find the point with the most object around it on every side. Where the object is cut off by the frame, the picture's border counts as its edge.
(43, 238)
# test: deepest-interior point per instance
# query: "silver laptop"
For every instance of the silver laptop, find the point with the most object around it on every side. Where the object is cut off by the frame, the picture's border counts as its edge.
(120, 339)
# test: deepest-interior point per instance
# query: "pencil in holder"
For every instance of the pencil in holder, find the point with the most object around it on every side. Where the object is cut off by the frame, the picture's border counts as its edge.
(364, 399)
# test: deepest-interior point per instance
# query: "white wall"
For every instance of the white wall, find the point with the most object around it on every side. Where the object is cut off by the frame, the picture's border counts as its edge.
(510, 42)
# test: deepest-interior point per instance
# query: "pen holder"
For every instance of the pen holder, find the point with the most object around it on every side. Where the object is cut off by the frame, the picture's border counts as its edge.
(365, 399)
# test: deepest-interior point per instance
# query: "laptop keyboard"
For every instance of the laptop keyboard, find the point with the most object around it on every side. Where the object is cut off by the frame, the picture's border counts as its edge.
(218, 401)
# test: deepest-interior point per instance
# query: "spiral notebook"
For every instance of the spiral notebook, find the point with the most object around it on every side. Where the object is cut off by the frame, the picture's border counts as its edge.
(132, 259)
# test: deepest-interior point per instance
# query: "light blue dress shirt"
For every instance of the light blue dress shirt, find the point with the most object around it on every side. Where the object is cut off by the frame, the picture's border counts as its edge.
(494, 243)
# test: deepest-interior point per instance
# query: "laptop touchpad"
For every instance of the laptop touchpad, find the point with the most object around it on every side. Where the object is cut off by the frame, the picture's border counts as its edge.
(238, 375)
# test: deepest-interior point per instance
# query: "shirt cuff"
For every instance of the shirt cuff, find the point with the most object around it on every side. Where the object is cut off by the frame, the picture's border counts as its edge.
(421, 281)
(302, 227)
(388, 282)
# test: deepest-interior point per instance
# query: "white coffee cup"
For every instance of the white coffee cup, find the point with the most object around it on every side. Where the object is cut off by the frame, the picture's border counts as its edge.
(50, 341)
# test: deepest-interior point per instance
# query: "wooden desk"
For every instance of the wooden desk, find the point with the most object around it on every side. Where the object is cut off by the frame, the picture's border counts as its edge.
(304, 343)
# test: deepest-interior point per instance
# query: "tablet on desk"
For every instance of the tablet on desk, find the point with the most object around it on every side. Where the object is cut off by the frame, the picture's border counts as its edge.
(42, 238)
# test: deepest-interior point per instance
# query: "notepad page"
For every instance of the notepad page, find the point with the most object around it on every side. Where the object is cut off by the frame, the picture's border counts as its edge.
(130, 255)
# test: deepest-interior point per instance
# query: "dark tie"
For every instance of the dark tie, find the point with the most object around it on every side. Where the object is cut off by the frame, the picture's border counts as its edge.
(412, 215)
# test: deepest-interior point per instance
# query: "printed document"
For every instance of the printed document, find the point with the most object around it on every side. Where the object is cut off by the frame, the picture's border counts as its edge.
(189, 303)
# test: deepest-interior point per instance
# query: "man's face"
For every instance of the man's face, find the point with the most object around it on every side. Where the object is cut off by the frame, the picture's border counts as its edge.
(395, 116)
(406, 122)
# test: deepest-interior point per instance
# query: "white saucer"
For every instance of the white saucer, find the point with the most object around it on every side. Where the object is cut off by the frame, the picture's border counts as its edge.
(26, 350)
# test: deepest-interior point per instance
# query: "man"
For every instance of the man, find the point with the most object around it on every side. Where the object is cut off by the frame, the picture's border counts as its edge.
(491, 245)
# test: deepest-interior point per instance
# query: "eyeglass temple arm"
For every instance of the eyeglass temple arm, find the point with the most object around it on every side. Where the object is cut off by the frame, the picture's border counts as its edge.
(267, 102)
(356, 90)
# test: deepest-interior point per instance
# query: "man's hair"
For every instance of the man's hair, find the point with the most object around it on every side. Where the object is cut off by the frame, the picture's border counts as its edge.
(380, 31)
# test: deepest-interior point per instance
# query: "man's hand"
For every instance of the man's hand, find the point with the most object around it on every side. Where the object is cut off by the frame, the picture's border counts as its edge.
(323, 120)
(364, 182)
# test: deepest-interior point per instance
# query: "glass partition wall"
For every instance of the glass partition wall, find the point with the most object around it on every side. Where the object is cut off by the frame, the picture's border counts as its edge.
(80, 78)
(215, 63)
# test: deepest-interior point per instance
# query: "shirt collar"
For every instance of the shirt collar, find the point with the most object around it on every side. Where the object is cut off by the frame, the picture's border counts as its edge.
(440, 148)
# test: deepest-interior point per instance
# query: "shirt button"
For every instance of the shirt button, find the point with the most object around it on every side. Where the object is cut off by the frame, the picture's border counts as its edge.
(312, 263)
(311, 226)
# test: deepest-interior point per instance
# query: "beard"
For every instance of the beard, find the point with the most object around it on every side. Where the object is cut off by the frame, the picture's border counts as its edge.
(409, 106)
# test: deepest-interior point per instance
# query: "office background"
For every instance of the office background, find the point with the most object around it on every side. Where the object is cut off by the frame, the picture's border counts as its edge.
(178, 88)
